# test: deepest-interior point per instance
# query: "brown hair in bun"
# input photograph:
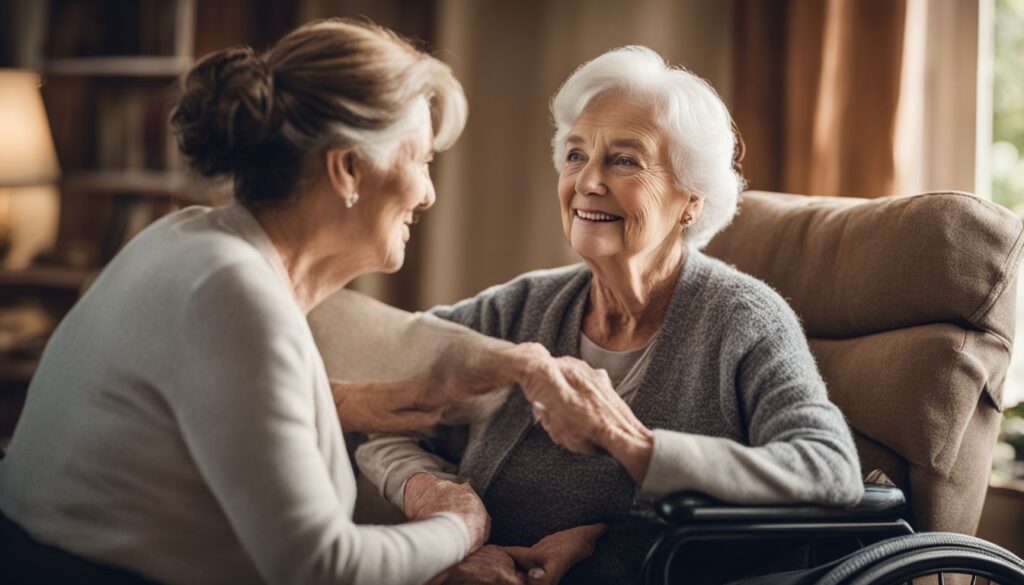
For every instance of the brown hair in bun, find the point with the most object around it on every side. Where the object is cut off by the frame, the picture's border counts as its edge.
(328, 84)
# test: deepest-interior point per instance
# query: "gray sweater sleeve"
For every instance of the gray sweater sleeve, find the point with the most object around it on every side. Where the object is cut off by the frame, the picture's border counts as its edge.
(800, 448)
(389, 460)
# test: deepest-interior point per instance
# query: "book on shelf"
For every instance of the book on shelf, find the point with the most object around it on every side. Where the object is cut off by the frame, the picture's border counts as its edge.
(104, 28)
(132, 129)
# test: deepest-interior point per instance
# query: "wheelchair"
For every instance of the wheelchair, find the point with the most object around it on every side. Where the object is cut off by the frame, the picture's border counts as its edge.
(869, 544)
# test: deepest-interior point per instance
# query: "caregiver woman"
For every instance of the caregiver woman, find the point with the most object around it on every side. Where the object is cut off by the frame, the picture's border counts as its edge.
(181, 424)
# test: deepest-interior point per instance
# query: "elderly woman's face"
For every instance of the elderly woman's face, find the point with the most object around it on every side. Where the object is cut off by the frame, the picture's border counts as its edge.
(617, 188)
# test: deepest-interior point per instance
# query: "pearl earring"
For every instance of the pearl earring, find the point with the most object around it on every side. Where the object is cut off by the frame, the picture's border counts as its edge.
(351, 200)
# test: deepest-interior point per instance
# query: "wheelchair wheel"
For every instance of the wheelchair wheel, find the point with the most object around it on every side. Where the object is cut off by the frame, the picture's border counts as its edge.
(938, 555)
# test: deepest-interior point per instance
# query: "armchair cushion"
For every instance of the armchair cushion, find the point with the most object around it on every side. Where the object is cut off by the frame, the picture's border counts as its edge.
(853, 267)
(908, 304)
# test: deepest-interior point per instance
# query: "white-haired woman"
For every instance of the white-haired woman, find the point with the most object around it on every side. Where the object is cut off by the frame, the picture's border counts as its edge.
(689, 375)
(181, 425)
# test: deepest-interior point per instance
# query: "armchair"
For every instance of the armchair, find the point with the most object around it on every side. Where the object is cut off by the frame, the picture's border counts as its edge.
(908, 303)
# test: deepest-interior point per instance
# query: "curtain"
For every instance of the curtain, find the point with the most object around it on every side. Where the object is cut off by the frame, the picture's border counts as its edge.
(858, 97)
(817, 85)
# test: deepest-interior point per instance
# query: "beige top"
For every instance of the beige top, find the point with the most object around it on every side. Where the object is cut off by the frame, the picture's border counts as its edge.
(181, 425)
(624, 367)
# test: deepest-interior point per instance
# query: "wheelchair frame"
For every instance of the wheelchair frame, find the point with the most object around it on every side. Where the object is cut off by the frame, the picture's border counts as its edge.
(691, 518)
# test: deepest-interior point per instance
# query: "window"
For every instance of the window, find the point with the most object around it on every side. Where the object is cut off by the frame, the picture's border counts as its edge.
(1008, 106)
(1007, 167)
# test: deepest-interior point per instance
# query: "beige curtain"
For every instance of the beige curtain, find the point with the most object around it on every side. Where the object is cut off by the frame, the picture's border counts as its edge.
(945, 113)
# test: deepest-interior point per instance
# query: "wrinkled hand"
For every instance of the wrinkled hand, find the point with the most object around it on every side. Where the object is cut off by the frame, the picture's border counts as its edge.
(546, 562)
(386, 407)
(593, 418)
(490, 565)
(426, 495)
(581, 418)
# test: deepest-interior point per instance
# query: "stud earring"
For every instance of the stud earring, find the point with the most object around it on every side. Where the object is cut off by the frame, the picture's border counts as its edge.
(351, 200)
(687, 220)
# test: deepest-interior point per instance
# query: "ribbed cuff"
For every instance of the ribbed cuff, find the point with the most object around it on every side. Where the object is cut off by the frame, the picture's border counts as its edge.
(671, 464)
(463, 532)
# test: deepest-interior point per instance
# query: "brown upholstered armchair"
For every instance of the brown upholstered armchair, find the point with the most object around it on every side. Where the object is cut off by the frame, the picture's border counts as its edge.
(908, 303)
(909, 306)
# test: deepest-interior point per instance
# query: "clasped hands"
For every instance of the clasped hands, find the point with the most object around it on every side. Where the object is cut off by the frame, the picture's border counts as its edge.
(544, 563)
(575, 403)
(581, 411)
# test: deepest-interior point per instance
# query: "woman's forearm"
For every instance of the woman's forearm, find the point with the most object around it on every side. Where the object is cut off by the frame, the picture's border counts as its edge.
(409, 405)
(477, 364)
(462, 372)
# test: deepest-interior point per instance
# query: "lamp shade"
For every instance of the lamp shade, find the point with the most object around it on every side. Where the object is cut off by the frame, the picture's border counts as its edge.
(27, 156)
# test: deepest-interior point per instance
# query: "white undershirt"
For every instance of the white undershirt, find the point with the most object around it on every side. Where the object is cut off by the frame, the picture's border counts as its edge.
(624, 367)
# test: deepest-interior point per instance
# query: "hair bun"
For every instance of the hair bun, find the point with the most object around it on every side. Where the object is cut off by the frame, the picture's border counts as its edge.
(226, 110)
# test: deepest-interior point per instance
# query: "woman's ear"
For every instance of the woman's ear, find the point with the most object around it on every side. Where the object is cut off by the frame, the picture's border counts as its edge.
(342, 171)
(692, 211)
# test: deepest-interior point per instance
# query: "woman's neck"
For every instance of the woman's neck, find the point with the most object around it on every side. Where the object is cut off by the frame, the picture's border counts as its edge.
(629, 298)
(319, 256)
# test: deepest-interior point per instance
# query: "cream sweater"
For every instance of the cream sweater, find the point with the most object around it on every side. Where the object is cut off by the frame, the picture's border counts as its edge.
(181, 425)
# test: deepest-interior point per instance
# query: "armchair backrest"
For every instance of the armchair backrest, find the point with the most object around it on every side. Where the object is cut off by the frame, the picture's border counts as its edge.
(908, 303)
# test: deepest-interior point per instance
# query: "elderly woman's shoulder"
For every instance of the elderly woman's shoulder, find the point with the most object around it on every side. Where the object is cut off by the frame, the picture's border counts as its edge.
(747, 298)
(527, 294)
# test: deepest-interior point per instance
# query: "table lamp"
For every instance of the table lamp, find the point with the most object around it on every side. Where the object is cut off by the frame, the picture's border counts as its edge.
(29, 200)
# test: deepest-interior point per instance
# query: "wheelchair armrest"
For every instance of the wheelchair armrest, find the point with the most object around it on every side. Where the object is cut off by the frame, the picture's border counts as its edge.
(880, 503)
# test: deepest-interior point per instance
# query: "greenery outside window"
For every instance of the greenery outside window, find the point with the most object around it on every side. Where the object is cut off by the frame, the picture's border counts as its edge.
(1007, 169)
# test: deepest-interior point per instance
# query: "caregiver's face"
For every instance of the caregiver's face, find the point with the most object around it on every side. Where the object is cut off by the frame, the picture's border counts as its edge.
(616, 188)
(393, 198)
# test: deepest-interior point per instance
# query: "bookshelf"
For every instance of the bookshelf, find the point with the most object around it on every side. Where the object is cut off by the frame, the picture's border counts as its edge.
(110, 80)
(143, 183)
(140, 66)
(50, 277)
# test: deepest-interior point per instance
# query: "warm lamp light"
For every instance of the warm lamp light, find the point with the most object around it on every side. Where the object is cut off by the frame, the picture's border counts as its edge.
(27, 156)
(29, 202)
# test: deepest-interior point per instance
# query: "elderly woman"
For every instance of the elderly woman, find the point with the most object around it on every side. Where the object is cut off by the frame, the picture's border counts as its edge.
(181, 425)
(682, 373)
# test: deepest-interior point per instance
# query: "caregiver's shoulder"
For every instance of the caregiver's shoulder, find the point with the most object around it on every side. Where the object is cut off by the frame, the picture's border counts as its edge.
(211, 266)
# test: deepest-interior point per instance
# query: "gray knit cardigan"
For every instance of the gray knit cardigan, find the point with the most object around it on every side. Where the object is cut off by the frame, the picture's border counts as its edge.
(731, 392)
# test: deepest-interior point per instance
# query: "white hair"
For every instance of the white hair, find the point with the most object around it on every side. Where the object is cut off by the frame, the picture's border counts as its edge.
(702, 142)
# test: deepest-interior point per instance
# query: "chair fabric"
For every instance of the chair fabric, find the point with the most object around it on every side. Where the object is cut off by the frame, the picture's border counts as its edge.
(908, 304)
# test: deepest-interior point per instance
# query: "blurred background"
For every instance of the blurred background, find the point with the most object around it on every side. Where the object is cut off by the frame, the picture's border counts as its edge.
(860, 98)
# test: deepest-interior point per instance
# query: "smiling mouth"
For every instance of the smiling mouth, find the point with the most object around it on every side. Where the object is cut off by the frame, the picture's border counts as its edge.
(595, 216)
